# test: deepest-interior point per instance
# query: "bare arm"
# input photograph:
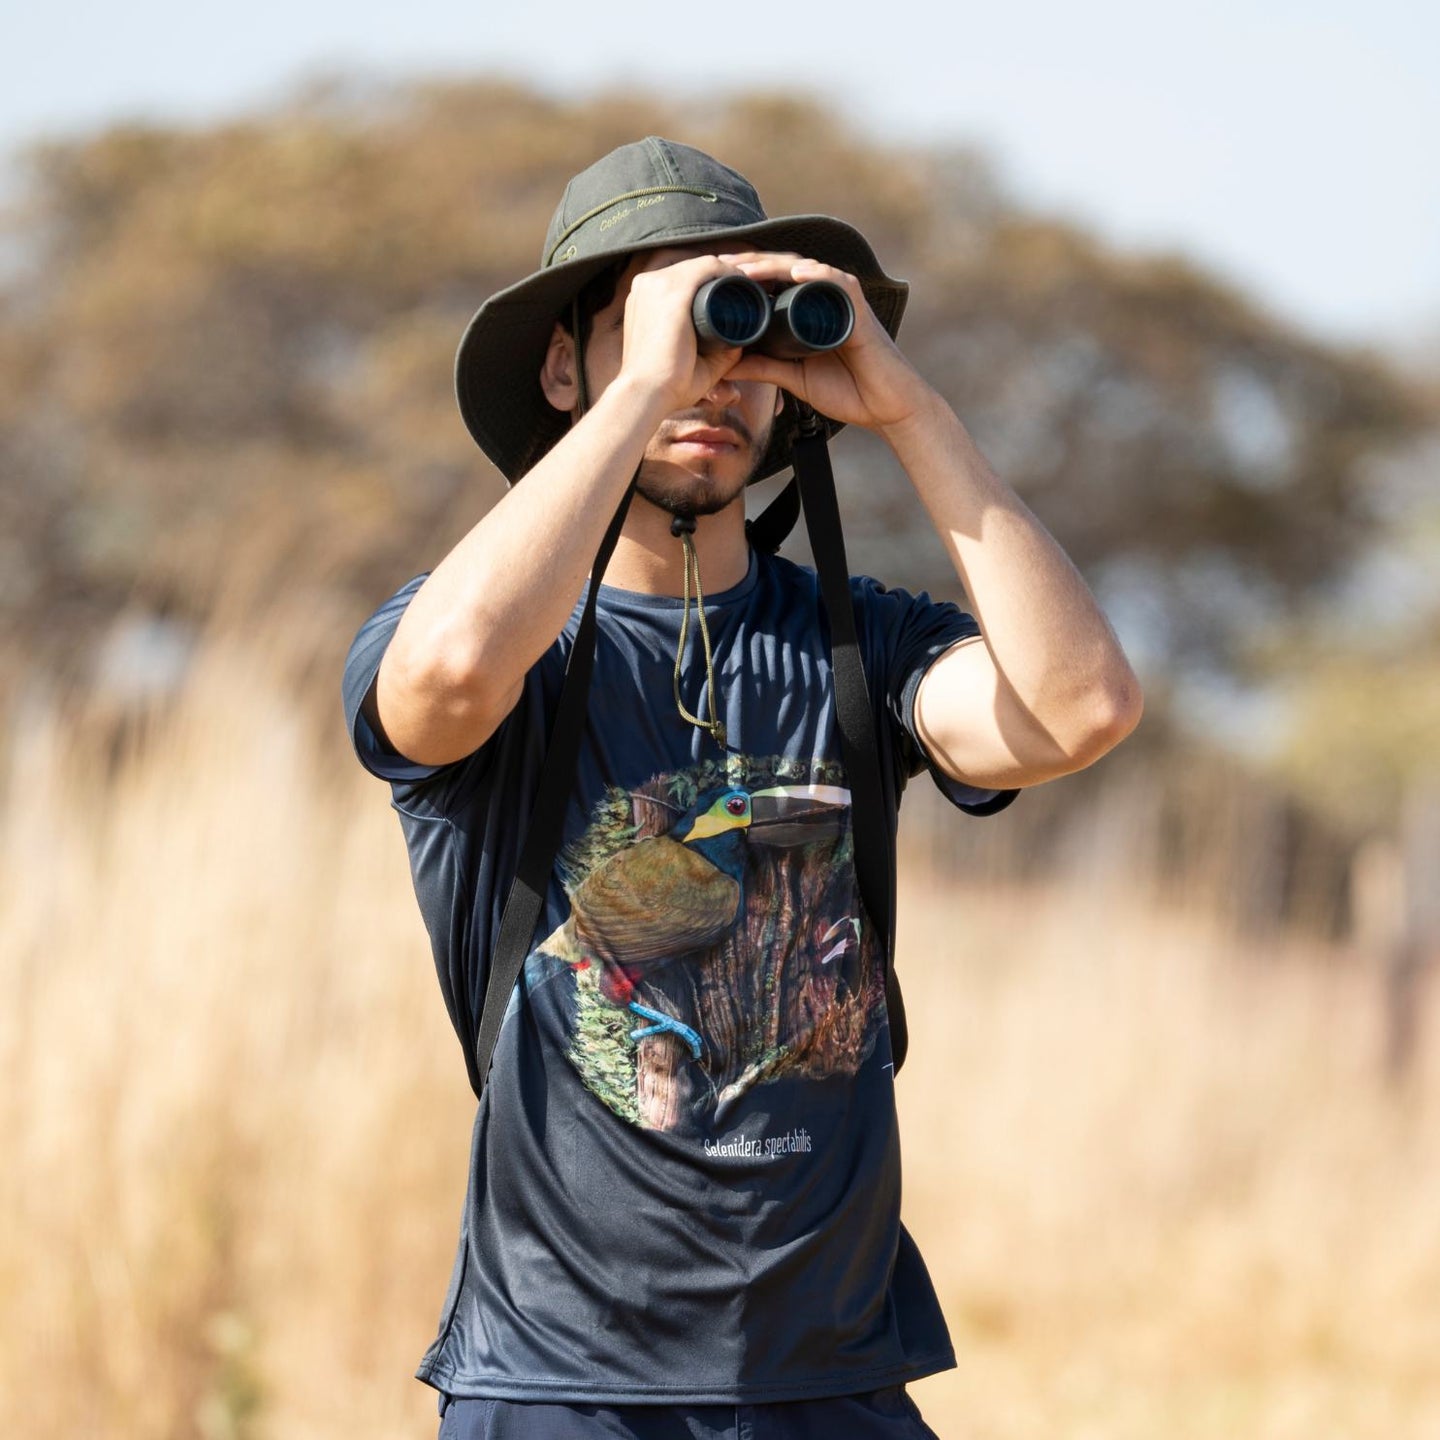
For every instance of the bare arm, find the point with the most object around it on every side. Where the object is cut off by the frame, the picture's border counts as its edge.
(496, 602)
(493, 605)
(1046, 689)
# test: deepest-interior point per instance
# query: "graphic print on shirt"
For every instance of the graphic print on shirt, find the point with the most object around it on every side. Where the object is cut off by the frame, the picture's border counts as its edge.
(715, 940)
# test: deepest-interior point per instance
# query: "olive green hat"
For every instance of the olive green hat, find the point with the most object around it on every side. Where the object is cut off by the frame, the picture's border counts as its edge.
(643, 196)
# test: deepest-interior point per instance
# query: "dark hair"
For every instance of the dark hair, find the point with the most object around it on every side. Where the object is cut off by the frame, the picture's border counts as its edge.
(599, 291)
(595, 295)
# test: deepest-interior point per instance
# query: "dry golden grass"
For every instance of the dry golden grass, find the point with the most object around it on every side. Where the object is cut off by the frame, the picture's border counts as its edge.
(1160, 1185)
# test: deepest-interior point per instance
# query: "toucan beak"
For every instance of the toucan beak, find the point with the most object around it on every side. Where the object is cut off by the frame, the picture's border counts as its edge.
(797, 814)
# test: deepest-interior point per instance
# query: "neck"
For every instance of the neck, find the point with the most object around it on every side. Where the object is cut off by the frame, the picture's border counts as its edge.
(651, 560)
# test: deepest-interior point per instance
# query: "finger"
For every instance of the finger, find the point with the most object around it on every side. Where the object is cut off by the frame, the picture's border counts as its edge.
(765, 265)
(818, 270)
(691, 272)
(752, 256)
(669, 290)
(789, 375)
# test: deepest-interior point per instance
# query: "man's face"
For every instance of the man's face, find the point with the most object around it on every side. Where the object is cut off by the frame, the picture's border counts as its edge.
(701, 458)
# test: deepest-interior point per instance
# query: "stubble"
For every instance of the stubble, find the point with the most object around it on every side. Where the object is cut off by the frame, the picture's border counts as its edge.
(704, 486)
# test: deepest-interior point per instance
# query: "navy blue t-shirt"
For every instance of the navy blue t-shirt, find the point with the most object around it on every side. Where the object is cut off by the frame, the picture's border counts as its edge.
(685, 1170)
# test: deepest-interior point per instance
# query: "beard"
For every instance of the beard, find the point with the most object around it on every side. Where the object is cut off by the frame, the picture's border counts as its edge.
(689, 493)
(708, 486)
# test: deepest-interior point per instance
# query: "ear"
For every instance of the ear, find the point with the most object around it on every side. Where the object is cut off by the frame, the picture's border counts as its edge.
(557, 374)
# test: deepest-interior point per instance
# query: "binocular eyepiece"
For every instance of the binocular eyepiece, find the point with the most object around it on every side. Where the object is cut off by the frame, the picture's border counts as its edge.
(802, 320)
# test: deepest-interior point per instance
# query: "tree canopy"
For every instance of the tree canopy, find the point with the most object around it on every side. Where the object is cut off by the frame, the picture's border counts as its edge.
(226, 358)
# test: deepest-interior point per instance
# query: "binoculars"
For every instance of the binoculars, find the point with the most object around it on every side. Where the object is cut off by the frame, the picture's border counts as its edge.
(802, 320)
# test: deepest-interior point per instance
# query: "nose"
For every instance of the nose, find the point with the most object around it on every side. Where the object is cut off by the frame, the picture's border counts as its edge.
(723, 392)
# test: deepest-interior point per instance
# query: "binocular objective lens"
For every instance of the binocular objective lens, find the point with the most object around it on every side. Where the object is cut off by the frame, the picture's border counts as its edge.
(820, 315)
(732, 310)
(737, 312)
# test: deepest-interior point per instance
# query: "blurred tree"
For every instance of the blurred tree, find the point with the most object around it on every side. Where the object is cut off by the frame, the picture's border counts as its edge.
(1362, 671)
(226, 359)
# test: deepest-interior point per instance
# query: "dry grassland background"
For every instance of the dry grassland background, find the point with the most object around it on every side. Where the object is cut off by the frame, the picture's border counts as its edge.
(1161, 1181)
(1165, 1152)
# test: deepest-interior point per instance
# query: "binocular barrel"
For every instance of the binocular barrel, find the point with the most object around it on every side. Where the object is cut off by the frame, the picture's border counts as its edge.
(735, 311)
(730, 311)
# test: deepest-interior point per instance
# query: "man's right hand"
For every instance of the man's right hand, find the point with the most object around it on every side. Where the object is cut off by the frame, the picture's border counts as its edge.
(655, 326)
(488, 611)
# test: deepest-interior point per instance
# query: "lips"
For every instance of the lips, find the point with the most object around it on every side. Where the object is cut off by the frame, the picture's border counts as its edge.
(708, 436)
(720, 429)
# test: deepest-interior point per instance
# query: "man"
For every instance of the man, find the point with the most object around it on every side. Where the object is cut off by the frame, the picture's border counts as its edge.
(683, 1209)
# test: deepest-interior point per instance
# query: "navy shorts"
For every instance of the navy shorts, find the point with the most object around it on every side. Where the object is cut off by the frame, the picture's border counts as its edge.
(888, 1414)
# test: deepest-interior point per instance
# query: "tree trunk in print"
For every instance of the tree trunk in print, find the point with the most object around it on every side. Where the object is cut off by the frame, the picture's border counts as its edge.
(794, 988)
(662, 1082)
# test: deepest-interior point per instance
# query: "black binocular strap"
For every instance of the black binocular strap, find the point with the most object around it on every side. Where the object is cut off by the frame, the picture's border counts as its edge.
(874, 856)
(542, 840)
(776, 520)
(869, 820)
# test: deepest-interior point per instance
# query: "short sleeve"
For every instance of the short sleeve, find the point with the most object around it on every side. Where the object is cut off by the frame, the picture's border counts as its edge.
(905, 635)
(362, 665)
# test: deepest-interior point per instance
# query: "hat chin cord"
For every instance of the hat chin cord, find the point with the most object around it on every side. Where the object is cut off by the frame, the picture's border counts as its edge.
(683, 528)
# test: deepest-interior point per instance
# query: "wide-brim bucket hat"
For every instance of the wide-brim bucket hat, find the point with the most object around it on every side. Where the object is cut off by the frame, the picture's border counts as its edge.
(643, 196)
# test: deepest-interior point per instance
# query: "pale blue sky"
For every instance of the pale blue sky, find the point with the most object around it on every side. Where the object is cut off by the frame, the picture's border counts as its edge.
(1290, 146)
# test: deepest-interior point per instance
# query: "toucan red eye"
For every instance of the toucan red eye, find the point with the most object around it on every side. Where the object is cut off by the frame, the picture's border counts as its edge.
(736, 805)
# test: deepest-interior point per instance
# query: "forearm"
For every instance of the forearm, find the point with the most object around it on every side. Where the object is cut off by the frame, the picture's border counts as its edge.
(497, 601)
(1049, 640)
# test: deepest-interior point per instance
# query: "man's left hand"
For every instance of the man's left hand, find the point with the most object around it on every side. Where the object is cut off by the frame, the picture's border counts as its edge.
(866, 381)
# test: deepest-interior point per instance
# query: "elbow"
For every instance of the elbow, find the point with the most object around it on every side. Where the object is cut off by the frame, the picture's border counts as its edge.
(435, 703)
(437, 666)
(1110, 713)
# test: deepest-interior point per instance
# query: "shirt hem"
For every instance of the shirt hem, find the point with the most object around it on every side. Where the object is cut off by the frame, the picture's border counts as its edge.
(575, 1392)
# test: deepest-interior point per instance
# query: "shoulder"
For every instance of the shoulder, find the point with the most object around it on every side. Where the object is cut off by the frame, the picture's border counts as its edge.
(787, 575)
(778, 573)
(801, 583)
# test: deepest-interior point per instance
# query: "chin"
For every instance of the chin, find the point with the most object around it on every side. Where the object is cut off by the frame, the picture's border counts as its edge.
(690, 492)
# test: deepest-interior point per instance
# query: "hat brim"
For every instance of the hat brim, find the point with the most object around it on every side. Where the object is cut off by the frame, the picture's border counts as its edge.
(497, 367)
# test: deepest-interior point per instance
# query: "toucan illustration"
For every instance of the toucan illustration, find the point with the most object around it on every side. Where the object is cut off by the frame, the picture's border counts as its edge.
(672, 895)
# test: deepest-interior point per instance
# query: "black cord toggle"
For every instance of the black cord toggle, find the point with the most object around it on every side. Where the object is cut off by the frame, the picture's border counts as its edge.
(809, 422)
